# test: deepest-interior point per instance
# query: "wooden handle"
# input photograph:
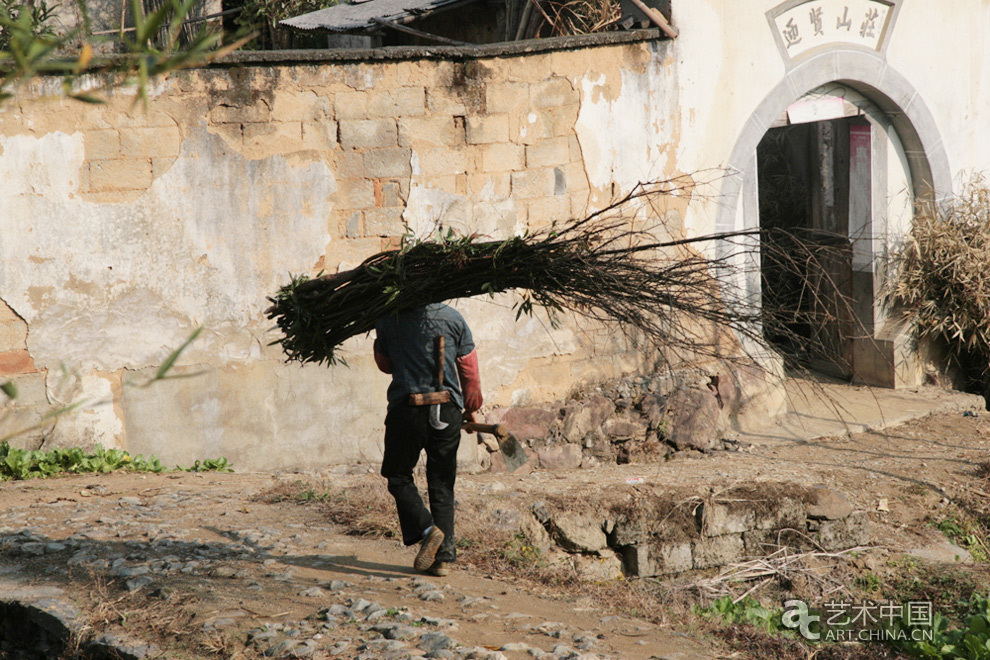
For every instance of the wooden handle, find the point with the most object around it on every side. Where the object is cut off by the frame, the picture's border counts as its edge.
(498, 430)
(657, 18)
(440, 362)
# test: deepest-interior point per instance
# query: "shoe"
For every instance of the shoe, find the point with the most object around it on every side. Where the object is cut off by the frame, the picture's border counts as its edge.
(428, 548)
(439, 569)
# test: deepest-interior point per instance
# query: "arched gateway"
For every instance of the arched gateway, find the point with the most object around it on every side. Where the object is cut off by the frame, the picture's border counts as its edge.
(868, 148)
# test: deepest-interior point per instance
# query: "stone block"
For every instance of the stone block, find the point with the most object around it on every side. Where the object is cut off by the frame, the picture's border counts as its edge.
(350, 105)
(32, 389)
(563, 119)
(695, 419)
(354, 225)
(232, 134)
(525, 423)
(560, 457)
(576, 532)
(544, 211)
(845, 533)
(828, 504)
(486, 129)
(301, 106)
(441, 101)
(575, 177)
(503, 157)
(531, 127)
(585, 418)
(401, 102)
(783, 512)
(319, 135)
(240, 114)
(638, 562)
(355, 194)
(602, 567)
(387, 193)
(535, 533)
(629, 532)
(368, 133)
(717, 519)
(533, 183)
(675, 557)
(507, 97)
(388, 163)
(17, 361)
(349, 164)
(273, 137)
(760, 542)
(716, 550)
(101, 144)
(13, 335)
(443, 162)
(492, 186)
(347, 254)
(431, 131)
(121, 174)
(548, 153)
(624, 428)
(554, 92)
(383, 222)
(649, 560)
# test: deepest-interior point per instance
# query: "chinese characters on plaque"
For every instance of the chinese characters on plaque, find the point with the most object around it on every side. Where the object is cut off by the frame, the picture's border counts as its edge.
(816, 23)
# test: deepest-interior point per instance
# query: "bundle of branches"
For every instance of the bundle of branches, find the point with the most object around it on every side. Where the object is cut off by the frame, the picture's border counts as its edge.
(600, 267)
(943, 281)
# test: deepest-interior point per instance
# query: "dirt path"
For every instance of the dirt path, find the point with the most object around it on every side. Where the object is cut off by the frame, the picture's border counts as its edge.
(211, 566)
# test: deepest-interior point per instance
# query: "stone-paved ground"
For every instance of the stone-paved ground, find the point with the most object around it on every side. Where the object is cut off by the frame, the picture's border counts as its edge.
(200, 563)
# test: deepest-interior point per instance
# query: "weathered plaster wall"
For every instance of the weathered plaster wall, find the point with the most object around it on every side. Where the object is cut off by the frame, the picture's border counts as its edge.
(124, 229)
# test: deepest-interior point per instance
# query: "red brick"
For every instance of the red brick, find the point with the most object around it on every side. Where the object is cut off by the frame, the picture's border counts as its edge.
(16, 362)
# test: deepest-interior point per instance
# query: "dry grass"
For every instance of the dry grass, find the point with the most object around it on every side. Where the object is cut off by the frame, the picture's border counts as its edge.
(943, 281)
(570, 17)
(361, 510)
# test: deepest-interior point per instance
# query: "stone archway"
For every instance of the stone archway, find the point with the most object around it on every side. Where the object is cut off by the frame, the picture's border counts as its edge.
(887, 358)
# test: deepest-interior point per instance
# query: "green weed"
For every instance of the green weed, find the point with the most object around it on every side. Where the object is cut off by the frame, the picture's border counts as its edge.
(966, 533)
(748, 610)
(39, 464)
(868, 582)
(971, 641)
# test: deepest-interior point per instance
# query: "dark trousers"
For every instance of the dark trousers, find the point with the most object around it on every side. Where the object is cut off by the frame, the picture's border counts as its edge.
(407, 433)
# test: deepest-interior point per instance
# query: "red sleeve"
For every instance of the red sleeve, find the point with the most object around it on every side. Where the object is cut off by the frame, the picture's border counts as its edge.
(467, 369)
(383, 361)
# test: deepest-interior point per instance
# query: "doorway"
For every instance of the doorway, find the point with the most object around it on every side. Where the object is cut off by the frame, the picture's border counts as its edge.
(813, 179)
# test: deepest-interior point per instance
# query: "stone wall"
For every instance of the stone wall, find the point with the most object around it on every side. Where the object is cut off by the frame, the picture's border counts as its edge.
(645, 531)
(126, 227)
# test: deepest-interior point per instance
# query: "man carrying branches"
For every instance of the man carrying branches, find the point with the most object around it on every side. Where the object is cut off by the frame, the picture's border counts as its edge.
(429, 351)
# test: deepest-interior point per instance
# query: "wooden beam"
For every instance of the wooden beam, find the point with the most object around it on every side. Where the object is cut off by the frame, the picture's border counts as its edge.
(655, 16)
(419, 33)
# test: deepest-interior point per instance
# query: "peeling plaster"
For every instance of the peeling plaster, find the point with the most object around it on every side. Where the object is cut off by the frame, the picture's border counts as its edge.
(96, 421)
(623, 136)
(111, 286)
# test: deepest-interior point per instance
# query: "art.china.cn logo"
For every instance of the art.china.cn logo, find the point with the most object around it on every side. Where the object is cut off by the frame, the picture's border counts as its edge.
(796, 615)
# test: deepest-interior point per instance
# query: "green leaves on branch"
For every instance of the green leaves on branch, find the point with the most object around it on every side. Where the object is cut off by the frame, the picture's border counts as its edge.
(29, 49)
(605, 267)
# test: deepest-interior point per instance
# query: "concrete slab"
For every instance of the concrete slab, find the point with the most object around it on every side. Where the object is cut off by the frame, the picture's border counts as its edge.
(819, 407)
